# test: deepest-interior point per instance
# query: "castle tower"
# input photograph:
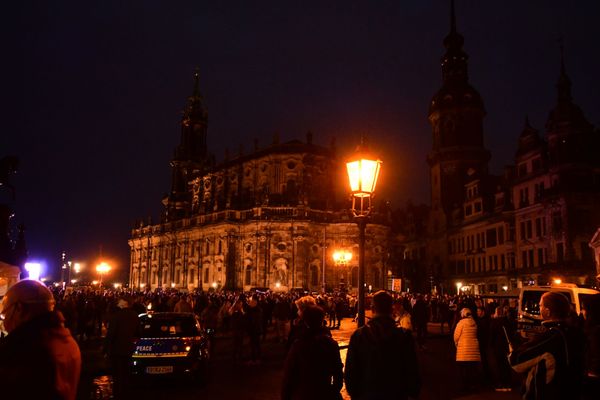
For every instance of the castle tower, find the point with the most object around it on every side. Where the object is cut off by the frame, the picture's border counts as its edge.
(456, 115)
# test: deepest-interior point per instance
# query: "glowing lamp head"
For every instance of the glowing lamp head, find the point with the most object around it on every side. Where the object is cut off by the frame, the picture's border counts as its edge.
(117, 285)
(505, 288)
(103, 268)
(459, 285)
(363, 171)
(34, 270)
(557, 281)
(77, 268)
(73, 281)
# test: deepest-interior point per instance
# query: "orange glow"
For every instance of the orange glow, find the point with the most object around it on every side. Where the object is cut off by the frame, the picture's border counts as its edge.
(362, 175)
(342, 256)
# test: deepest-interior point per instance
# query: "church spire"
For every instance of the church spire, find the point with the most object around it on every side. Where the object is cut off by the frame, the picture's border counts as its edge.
(454, 62)
(563, 85)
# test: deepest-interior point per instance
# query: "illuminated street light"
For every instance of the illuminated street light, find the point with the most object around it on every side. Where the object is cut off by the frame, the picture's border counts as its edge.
(342, 257)
(102, 268)
(557, 281)
(277, 285)
(505, 288)
(214, 285)
(34, 270)
(458, 287)
(94, 282)
(363, 170)
(77, 267)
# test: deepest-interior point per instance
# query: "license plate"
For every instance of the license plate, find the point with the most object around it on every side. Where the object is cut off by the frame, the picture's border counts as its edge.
(159, 370)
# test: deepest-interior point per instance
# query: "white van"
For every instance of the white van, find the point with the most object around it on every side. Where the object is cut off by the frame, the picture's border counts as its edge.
(529, 319)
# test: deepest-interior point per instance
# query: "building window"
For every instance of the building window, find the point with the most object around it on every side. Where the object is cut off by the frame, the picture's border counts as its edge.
(468, 210)
(477, 207)
(502, 262)
(556, 221)
(248, 277)
(491, 237)
(531, 259)
(524, 258)
(540, 257)
(206, 275)
(560, 252)
(529, 229)
(522, 169)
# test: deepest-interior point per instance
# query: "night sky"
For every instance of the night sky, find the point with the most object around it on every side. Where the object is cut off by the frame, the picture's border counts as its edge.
(93, 93)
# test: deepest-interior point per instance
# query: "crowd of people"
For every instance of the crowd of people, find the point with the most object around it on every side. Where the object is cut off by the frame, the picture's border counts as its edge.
(382, 356)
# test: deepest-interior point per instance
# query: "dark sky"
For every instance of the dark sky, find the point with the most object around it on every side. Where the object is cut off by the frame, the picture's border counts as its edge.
(93, 92)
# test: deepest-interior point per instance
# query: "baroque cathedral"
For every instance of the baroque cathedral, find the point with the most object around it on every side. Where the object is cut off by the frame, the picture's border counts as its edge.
(269, 219)
(484, 233)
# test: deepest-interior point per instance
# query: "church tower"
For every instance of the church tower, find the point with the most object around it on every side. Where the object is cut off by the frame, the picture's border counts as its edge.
(191, 155)
(456, 115)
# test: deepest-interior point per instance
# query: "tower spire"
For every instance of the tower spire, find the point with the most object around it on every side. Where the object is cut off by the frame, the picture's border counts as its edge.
(452, 18)
(564, 83)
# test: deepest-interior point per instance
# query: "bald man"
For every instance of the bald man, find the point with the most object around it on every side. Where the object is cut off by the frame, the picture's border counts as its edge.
(39, 359)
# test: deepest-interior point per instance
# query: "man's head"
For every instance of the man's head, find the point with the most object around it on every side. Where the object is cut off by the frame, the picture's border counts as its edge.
(313, 316)
(382, 303)
(480, 312)
(554, 306)
(24, 301)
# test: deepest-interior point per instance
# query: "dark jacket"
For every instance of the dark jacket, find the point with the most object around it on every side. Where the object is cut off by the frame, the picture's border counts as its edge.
(381, 362)
(553, 361)
(313, 368)
(40, 360)
(123, 327)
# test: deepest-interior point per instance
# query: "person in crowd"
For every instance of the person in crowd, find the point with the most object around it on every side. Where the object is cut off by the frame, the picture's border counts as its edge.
(467, 350)
(183, 305)
(281, 315)
(340, 310)
(381, 362)
(254, 325)
(553, 360)
(483, 337)
(39, 359)
(401, 316)
(591, 312)
(313, 367)
(500, 331)
(420, 317)
(330, 307)
(209, 318)
(238, 328)
(297, 327)
(123, 327)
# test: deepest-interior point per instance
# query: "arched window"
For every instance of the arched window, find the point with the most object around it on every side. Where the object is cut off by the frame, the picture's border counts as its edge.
(355, 277)
(248, 275)
(314, 275)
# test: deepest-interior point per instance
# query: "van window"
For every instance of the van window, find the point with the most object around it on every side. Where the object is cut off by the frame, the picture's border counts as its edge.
(584, 299)
(531, 300)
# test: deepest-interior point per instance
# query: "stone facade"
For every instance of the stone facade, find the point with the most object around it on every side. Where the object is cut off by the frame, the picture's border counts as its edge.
(269, 219)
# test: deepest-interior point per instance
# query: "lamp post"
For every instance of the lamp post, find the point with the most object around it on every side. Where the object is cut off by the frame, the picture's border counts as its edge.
(363, 171)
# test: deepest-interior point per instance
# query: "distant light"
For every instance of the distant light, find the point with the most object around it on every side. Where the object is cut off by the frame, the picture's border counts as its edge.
(188, 348)
(73, 281)
(214, 285)
(77, 267)
(117, 285)
(278, 285)
(505, 288)
(103, 268)
(149, 307)
(172, 284)
(34, 270)
(142, 285)
(94, 282)
(44, 279)
(56, 284)
(557, 281)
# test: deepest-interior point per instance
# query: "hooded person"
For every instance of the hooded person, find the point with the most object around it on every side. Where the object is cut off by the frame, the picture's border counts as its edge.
(313, 367)
(381, 362)
(39, 359)
(123, 327)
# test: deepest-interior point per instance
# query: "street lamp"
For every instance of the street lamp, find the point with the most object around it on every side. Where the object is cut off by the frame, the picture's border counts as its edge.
(363, 170)
(458, 286)
(102, 269)
(341, 258)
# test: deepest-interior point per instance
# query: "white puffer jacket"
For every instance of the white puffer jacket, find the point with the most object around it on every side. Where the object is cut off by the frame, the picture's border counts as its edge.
(465, 339)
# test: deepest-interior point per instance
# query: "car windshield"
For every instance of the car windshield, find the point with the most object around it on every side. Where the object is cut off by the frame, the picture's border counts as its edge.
(531, 300)
(156, 326)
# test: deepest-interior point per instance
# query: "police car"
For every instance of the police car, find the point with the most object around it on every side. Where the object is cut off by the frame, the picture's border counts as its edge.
(170, 344)
(530, 322)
